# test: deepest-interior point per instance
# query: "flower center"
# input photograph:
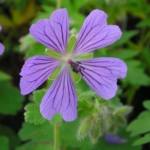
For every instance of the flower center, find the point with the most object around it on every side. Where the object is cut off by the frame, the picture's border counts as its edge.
(75, 66)
(65, 58)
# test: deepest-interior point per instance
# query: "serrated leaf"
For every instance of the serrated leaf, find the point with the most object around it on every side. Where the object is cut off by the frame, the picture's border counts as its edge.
(38, 95)
(32, 114)
(36, 132)
(32, 110)
(40, 136)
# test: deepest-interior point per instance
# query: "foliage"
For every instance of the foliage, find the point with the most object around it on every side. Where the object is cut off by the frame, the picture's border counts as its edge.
(8, 105)
(140, 127)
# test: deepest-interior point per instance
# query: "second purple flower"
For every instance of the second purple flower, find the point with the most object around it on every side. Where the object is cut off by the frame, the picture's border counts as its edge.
(100, 74)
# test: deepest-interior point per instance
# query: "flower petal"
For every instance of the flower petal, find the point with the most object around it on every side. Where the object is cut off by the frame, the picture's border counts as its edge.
(53, 32)
(101, 75)
(114, 139)
(35, 71)
(60, 98)
(95, 33)
(1, 48)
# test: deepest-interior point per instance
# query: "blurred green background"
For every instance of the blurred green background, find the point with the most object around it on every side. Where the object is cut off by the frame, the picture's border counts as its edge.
(21, 125)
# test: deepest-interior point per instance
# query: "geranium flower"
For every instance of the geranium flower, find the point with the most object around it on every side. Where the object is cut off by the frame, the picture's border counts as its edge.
(100, 74)
(1, 45)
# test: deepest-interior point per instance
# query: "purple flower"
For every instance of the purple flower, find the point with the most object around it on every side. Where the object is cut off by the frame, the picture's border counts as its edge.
(100, 74)
(1, 45)
(114, 139)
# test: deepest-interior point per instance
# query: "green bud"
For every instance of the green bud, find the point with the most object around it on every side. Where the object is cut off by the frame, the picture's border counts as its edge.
(84, 128)
(122, 111)
(96, 130)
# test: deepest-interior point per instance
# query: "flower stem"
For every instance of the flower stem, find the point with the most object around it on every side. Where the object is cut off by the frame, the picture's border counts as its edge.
(56, 137)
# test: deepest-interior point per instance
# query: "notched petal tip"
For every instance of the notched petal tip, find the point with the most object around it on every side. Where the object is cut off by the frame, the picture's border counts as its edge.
(60, 98)
(116, 31)
(101, 74)
(52, 32)
(96, 33)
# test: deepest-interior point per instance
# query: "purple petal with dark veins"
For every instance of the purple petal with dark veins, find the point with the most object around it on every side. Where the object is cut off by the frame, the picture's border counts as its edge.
(53, 32)
(95, 33)
(35, 72)
(101, 75)
(60, 98)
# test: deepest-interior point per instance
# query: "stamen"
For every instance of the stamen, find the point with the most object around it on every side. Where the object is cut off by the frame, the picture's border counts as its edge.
(76, 67)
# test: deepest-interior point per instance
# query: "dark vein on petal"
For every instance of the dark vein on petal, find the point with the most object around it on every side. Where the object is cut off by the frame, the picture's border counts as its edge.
(38, 70)
(90, 46)
(85, 42)
(53, 30)
(53, 42)
(87, 74)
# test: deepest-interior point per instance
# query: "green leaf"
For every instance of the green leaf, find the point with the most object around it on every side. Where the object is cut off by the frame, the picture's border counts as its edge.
(38, 95)
(141, 126)
(32, 110)
(136, 74)
(33, 115)
(143, 140)
(36, 132)
(10, 99)
(40, 136)
(4, 143)
(144, 23)
(69, 138)
(146, 104)
(35, 49)
(124, 53)
(35, 146)
(4, 76)
(127, 35)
